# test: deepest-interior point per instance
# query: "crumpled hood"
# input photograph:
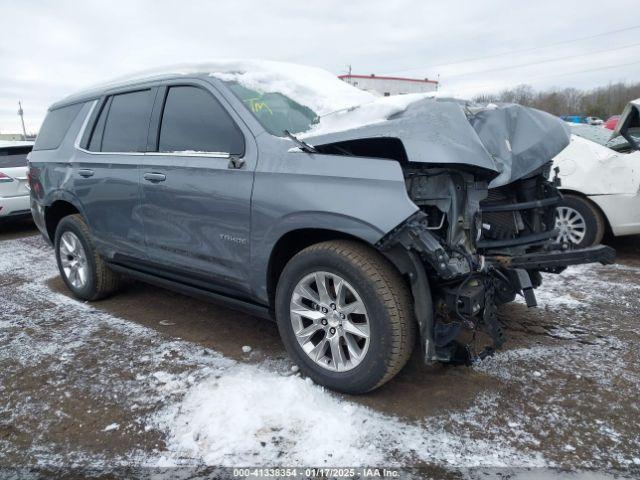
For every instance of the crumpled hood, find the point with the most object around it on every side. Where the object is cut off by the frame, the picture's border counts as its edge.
(509, 141)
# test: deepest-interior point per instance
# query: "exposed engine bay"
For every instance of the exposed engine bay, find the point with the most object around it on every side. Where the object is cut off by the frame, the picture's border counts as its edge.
(481, 247)
(485, 228)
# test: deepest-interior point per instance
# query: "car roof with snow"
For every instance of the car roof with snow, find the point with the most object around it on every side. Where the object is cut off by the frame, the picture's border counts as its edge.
(313, 87)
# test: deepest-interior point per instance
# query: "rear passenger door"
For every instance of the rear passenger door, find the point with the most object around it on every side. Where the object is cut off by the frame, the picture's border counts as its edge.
(106, 176)
(196, 182)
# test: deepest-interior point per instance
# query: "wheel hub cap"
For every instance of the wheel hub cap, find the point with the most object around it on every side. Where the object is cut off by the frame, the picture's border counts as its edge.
(330, 321)
(571, 225)
(73, 260)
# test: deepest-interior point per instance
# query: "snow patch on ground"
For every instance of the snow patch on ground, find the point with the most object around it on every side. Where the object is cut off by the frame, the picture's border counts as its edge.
(294, 422)
(210, 409)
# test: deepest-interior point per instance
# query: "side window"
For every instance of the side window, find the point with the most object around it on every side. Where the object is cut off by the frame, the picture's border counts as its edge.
(55, 127)
(127, 122)
(193, 120)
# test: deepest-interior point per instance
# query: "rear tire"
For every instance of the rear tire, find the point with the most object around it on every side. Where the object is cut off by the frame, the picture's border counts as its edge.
(84, 272)
(580, 222)
(365, 276)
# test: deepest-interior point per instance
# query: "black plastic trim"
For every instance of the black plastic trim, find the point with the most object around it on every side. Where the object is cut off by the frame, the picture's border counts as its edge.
(241, 305)
(507, 207)
(511, 242)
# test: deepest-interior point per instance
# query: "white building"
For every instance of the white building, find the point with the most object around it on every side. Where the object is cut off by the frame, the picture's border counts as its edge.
(390, 85)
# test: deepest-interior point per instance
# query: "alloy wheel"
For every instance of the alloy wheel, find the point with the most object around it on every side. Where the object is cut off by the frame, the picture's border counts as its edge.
(330, 321)
(73, 259)
(571, 225)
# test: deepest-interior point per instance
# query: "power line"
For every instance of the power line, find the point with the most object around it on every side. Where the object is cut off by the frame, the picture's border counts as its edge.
(568, 74)
(513, 52)
(588, 70)
(567, 57)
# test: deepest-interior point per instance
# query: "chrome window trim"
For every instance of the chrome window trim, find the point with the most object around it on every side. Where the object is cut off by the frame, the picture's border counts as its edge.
(159, 154)
(190, 154)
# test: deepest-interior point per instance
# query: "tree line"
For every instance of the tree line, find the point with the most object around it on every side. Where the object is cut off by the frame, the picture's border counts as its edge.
(599, 102)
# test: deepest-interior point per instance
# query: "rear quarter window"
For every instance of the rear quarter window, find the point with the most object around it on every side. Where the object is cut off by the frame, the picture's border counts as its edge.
(127, 122)
(55, 127)
(14, 157)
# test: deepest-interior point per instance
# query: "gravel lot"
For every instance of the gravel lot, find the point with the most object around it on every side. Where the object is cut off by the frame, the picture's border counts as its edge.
(153, 378)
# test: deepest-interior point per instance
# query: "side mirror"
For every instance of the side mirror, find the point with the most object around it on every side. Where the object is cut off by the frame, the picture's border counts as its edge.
(236, 162)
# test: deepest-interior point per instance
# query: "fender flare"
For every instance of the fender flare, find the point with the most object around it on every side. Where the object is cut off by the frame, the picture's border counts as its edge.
(409, 264)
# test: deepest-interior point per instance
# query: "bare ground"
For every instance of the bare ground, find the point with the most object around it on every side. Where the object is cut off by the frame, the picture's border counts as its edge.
(110, 383)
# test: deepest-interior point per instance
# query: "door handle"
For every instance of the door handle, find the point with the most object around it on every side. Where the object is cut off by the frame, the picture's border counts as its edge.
(155, 177)
(86, 172)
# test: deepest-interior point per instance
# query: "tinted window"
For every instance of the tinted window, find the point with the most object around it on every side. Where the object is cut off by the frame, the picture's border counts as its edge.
(55, 127)
(193, 120)
(14, 157)
(127, 123)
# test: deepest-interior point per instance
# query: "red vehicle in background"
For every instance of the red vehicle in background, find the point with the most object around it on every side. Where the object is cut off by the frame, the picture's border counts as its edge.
(611, 122)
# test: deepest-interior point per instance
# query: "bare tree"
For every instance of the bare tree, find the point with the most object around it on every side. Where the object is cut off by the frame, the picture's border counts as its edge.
(599, 102)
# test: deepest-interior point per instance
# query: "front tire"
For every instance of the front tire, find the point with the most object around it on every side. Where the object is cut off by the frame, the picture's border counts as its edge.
(345, 316)
(579, 221)
(84, 272)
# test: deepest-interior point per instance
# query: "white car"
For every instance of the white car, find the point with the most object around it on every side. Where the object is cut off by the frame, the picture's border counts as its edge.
(594, 121)
(14, 189)
(600, 181)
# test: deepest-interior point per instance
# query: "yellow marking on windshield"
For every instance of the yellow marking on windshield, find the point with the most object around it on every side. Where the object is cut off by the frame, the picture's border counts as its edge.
(256, 105)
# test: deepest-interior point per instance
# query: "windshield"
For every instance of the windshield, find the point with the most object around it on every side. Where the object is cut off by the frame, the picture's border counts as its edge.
(275, 111)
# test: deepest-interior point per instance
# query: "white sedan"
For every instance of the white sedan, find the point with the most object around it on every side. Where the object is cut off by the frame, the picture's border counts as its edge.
(14, 189)
(600, 181)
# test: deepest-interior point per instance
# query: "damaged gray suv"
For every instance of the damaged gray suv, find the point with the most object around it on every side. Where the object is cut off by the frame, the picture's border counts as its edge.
(363, 225)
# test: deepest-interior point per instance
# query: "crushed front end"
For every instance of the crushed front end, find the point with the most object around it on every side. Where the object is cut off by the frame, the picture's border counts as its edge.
(485, 225)
(471, 248)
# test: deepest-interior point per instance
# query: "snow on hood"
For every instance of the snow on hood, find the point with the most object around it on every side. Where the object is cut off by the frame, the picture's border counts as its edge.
(508, 140)
(379, 109)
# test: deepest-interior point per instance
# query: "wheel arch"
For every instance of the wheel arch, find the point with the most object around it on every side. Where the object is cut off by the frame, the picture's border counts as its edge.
(294, 241)
(55, 212)
(576, 193)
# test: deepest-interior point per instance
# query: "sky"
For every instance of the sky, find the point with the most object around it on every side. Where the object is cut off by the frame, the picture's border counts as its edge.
(51, 48)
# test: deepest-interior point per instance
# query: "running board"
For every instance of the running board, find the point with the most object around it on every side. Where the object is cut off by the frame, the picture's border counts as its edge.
(220, 299)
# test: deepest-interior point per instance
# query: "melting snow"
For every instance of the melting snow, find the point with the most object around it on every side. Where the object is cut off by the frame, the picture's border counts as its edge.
(213, 410)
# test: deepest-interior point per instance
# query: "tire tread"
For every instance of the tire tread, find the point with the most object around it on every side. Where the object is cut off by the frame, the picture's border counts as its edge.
(391, 288)
(107, 281)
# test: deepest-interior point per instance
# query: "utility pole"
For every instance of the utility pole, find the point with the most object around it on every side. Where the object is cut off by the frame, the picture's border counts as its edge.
(21, 113)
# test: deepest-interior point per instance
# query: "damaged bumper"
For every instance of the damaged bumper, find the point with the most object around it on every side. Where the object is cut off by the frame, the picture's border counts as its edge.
(456, 293)
(556, 261)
